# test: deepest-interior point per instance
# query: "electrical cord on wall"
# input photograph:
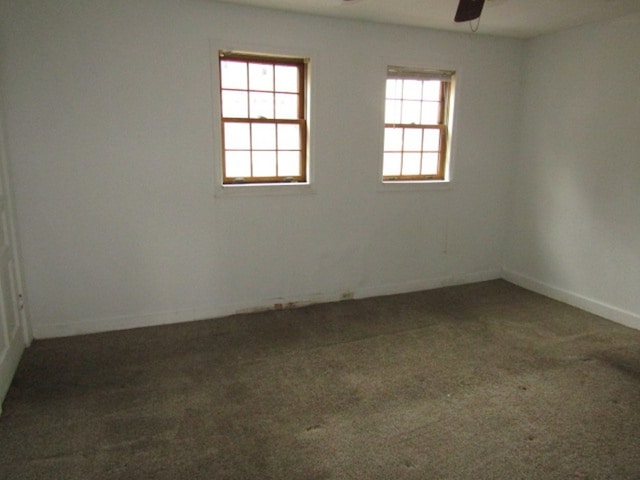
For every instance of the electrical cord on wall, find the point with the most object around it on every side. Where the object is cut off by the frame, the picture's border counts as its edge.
(472, 28)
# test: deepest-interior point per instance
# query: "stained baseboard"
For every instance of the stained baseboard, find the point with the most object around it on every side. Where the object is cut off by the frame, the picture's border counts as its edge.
(597, 307)
(124, 322)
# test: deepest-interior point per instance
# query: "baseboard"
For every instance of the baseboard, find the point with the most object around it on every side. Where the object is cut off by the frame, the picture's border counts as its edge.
(106, 324)
(610, 312)
(429, 284)
(125, 322)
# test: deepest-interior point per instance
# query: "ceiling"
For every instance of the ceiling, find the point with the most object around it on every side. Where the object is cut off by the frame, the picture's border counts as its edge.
(515, 18)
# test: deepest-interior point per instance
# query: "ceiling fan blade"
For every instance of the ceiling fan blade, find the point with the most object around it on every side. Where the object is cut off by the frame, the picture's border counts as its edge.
(468, 10)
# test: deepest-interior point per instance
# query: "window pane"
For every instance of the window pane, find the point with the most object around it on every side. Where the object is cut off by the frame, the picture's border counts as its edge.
(264, 164)
(235, 104)
(411, 164)
(393, 139)
(289, 164)
(392, 111)
(261, 105)
(394, 88)
(431, 140)
(429, 164)
(288, 137)
(410, 112)
(391, 164)
(236, 136)
(233, 75)
(263, 136)
(430, 113)
(431, 90)
(286, 106)
(286, 79)
(412, 140)
(260, 77)
(412, 90)
(238, 164)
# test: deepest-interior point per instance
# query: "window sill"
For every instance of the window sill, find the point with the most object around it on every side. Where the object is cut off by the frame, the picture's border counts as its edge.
(413, 185)
(264, 189)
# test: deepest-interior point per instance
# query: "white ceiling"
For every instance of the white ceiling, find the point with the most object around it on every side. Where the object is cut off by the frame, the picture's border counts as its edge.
(516, 18)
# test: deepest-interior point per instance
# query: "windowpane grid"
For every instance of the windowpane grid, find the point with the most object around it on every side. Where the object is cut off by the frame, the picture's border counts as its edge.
(264, 129)
(415, 137)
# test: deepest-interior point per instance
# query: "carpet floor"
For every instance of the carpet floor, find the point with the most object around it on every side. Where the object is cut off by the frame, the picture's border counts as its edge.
(481, 381)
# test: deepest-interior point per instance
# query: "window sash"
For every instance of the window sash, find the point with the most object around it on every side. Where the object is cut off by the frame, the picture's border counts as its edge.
(439, 175)
(301, 177)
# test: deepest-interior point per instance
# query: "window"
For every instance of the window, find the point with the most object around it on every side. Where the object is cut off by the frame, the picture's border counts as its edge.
(416, 131)
(264, 128)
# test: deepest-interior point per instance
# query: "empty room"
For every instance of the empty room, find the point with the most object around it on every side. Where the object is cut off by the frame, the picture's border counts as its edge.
(320, 239)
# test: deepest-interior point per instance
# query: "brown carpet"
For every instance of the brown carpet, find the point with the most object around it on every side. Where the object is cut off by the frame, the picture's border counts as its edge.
(483, 381)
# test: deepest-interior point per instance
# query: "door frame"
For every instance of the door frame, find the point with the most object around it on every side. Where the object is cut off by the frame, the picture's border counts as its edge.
(22, 339)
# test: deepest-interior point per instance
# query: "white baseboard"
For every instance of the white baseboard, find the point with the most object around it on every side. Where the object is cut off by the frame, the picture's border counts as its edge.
(106, 324)
(428, 284)
(591, 305)
(125, 322)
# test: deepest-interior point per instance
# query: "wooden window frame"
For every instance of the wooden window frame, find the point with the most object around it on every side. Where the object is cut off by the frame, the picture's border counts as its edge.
(446, 86)
(301, 120)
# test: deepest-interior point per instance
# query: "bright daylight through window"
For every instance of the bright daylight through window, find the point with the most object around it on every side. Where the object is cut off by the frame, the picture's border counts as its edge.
(416, 133)
(264, 128)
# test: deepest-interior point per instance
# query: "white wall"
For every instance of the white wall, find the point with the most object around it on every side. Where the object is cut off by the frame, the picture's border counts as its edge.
(113, 142)
(575, 231)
